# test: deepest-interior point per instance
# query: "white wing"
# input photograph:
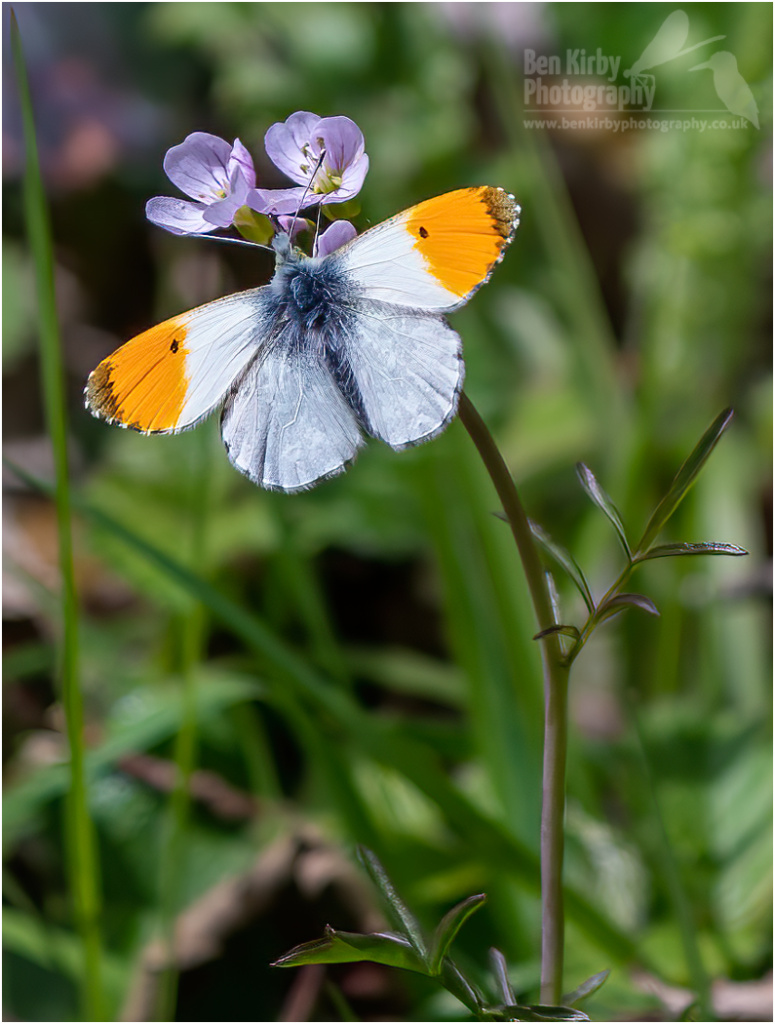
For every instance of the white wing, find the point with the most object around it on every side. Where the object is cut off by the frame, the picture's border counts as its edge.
(435, 255)
(286, 425)
(173, 375)
(408, 370)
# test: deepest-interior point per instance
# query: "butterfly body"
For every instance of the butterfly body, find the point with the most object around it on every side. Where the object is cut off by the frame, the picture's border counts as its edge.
(333, 347)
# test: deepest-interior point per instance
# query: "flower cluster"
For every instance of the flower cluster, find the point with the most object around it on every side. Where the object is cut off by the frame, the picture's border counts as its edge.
(324, 155)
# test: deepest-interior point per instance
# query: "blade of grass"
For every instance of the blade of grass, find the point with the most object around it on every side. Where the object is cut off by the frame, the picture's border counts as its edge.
(82, 866)
(684, 479)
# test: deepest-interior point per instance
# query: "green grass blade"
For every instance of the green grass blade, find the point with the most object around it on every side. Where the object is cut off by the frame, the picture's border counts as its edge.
(83, 868)
(564, 558)
(605, 503)
(449, 926)
(396, 907)
(693, 548)
(684, 479)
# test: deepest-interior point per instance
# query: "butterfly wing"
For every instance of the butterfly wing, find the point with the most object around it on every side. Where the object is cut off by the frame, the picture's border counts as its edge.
(435, 255)
(286, 425)
(405, 360)
(407, 370)
(170, 377)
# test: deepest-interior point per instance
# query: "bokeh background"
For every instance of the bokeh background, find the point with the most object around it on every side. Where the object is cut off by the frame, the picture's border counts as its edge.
(633, 306)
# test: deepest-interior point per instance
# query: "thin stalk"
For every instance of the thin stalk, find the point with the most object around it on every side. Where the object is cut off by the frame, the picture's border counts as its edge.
(555, 704)
(593, 619)
(82, 859)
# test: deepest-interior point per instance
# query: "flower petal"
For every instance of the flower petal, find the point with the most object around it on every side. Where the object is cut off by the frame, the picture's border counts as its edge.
(199, 166)
(352, 183)
(241, 159)
(177, 215)
(340, 232)
(285, 142)
(281, 200)
(221, 214)
(342, 139)
(294, 225)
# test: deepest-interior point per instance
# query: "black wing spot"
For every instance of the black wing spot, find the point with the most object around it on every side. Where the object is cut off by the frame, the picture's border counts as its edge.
(423, 233)
(175, 345)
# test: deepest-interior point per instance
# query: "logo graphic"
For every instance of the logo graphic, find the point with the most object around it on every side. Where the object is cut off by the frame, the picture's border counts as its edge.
(636, 95)
(731, 88)
(668, 44)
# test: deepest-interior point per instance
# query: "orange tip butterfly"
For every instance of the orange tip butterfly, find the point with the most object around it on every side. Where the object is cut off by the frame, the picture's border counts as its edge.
(333, 347)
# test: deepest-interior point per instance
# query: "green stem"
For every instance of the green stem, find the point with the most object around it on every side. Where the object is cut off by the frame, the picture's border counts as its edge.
(593, 619)
(555, 703)
(82, 860)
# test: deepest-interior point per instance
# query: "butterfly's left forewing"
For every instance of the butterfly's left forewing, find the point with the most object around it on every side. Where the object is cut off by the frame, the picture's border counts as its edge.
(433, 256)
(170, 377)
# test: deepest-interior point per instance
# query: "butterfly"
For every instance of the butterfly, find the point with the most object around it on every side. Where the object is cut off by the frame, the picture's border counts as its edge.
(333, 347)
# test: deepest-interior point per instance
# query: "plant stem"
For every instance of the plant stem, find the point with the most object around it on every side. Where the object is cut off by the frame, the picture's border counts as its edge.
(80, 842)
(555, 703)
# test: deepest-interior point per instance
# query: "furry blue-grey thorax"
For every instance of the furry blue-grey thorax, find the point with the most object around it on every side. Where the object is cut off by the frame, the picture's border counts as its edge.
(311, 292)
(310, 305)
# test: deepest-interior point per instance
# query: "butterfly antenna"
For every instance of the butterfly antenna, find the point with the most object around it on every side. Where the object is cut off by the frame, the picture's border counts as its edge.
(237, 241)
(308, 186)
(317, 231)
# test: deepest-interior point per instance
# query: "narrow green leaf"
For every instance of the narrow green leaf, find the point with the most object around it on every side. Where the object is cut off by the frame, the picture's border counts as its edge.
(448, 928)
(520, 1013)
(82, 854)
(396, 906)
(339, 947)
(586, 988)
(454, 981)
(699, 548)
(570, 631)
(500, 970)
(623, 601)
(554, 598)
(565, 559)
(684, 479)
(603, 502)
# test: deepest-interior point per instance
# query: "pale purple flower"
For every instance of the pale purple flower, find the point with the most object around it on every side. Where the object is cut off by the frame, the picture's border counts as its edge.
(217, 176)
(325, 155)
(293, 226)
(335, 236)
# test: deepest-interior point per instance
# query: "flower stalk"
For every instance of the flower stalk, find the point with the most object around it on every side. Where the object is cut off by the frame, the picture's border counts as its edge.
(555, 671)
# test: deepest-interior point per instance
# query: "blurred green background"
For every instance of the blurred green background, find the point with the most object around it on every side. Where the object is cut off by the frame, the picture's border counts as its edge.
(369, 675)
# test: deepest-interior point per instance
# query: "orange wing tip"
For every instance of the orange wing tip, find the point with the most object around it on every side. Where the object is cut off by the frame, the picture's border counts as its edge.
(143, 384)
(98, 393)
(505, 212)
(463, 235)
